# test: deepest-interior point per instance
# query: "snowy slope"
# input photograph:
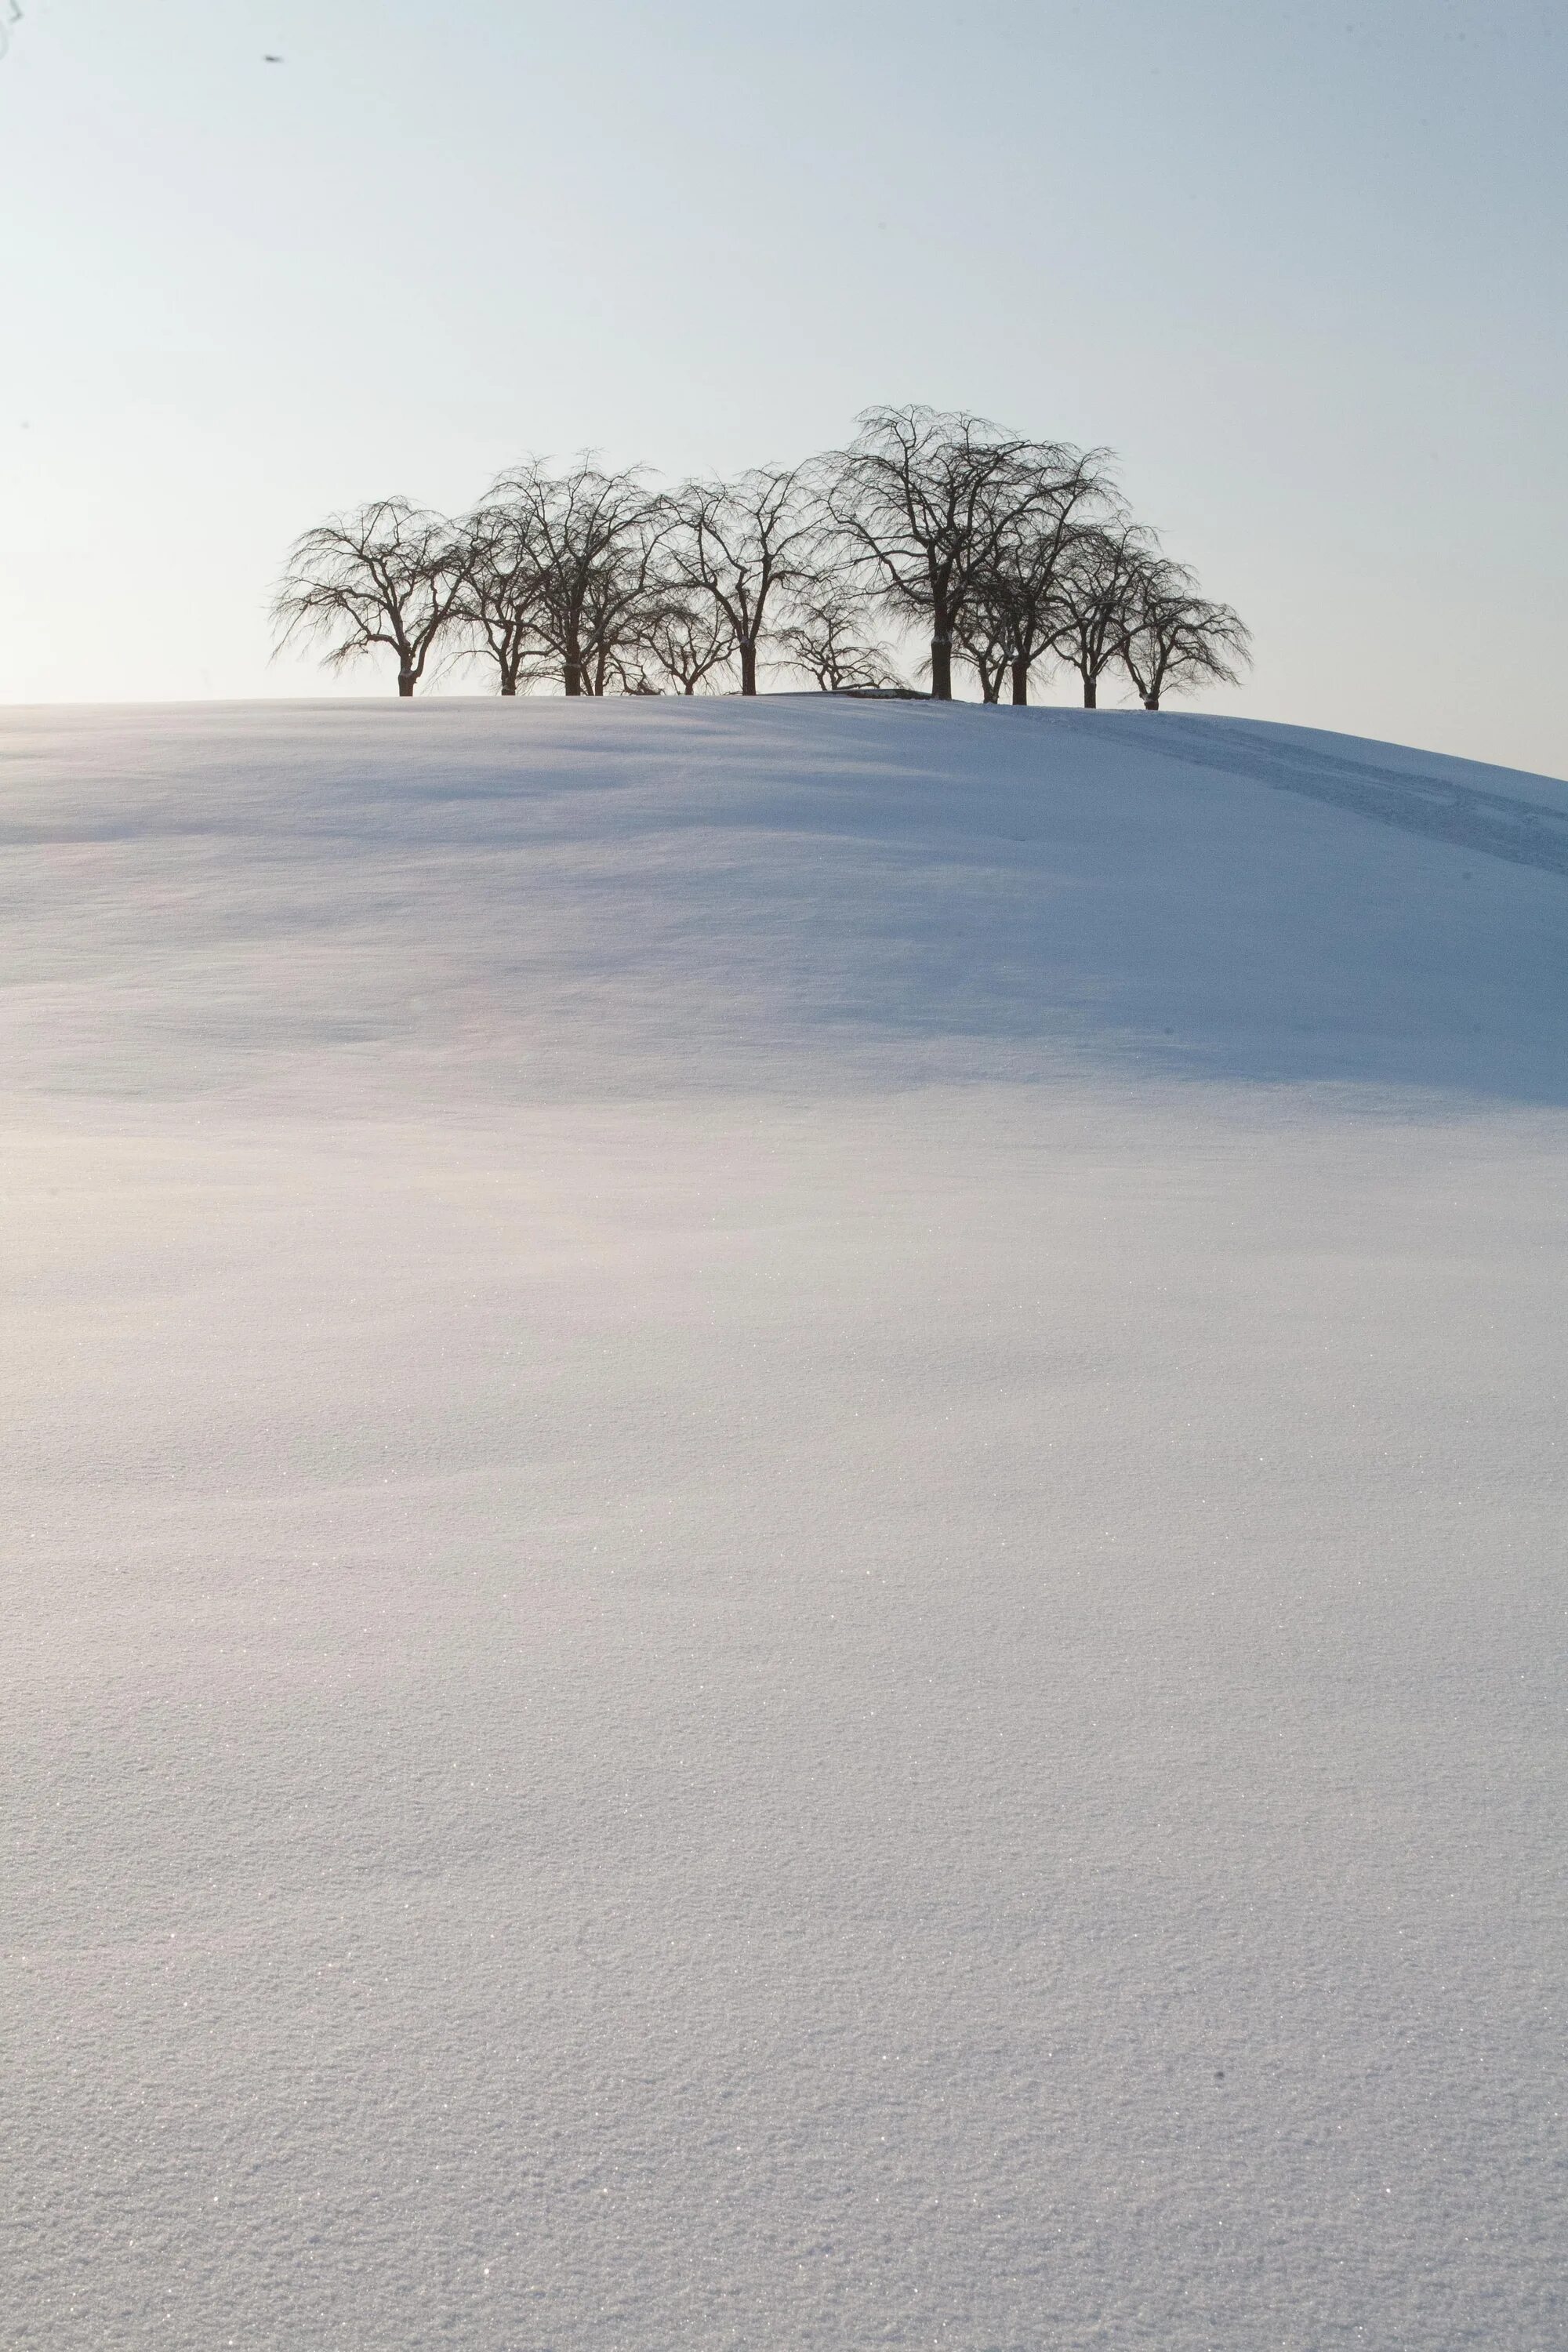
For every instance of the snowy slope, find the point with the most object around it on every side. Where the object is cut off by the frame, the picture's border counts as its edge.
(784, 1490)
(354, 902)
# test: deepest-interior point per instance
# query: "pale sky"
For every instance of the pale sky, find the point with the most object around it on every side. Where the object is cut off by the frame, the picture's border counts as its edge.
(1301, 266)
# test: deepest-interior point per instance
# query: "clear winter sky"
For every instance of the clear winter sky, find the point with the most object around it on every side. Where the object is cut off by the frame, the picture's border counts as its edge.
(1301, 266)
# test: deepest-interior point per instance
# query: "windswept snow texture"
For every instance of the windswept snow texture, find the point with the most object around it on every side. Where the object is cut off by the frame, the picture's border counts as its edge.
(784, 1495)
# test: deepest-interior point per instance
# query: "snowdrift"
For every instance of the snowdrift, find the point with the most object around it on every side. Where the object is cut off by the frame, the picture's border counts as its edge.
(784, 1489)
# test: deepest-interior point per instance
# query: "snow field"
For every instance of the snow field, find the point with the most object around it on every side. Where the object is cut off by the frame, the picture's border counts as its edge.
(784, 1490)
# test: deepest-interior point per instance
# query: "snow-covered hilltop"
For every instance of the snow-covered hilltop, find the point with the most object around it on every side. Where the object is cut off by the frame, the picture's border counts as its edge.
(785, 1492)
(361, 904)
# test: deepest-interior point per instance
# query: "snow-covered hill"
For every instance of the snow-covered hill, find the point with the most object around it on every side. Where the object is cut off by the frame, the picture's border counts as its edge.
(784, 1490)
(352, 904)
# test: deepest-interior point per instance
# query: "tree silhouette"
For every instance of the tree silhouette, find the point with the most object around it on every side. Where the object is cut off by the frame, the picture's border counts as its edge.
(389, 575)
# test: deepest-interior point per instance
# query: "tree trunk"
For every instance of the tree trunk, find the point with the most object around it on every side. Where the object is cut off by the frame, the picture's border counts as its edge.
(942, 670)
(748, 669)
(1020, 682)
(691, 685)
(574, 675)
(508, 685)
(406, 683)
(1091, 694)
(1150, 702)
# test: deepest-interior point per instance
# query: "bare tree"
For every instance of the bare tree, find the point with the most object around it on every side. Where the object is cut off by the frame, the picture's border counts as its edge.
(1176, 639)
(500, 604)
(593, 538)
(823, 639)
(919, 505)
(688, 637)
(1098, 588)
(1017, 612)
(744, 544)
(619, 612)
(986, 634)
(390, 574)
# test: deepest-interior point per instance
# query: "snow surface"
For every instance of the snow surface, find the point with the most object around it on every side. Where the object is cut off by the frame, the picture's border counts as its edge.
(783, 1488)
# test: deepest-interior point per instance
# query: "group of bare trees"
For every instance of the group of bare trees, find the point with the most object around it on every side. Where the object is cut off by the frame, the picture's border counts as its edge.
(1010, 555)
